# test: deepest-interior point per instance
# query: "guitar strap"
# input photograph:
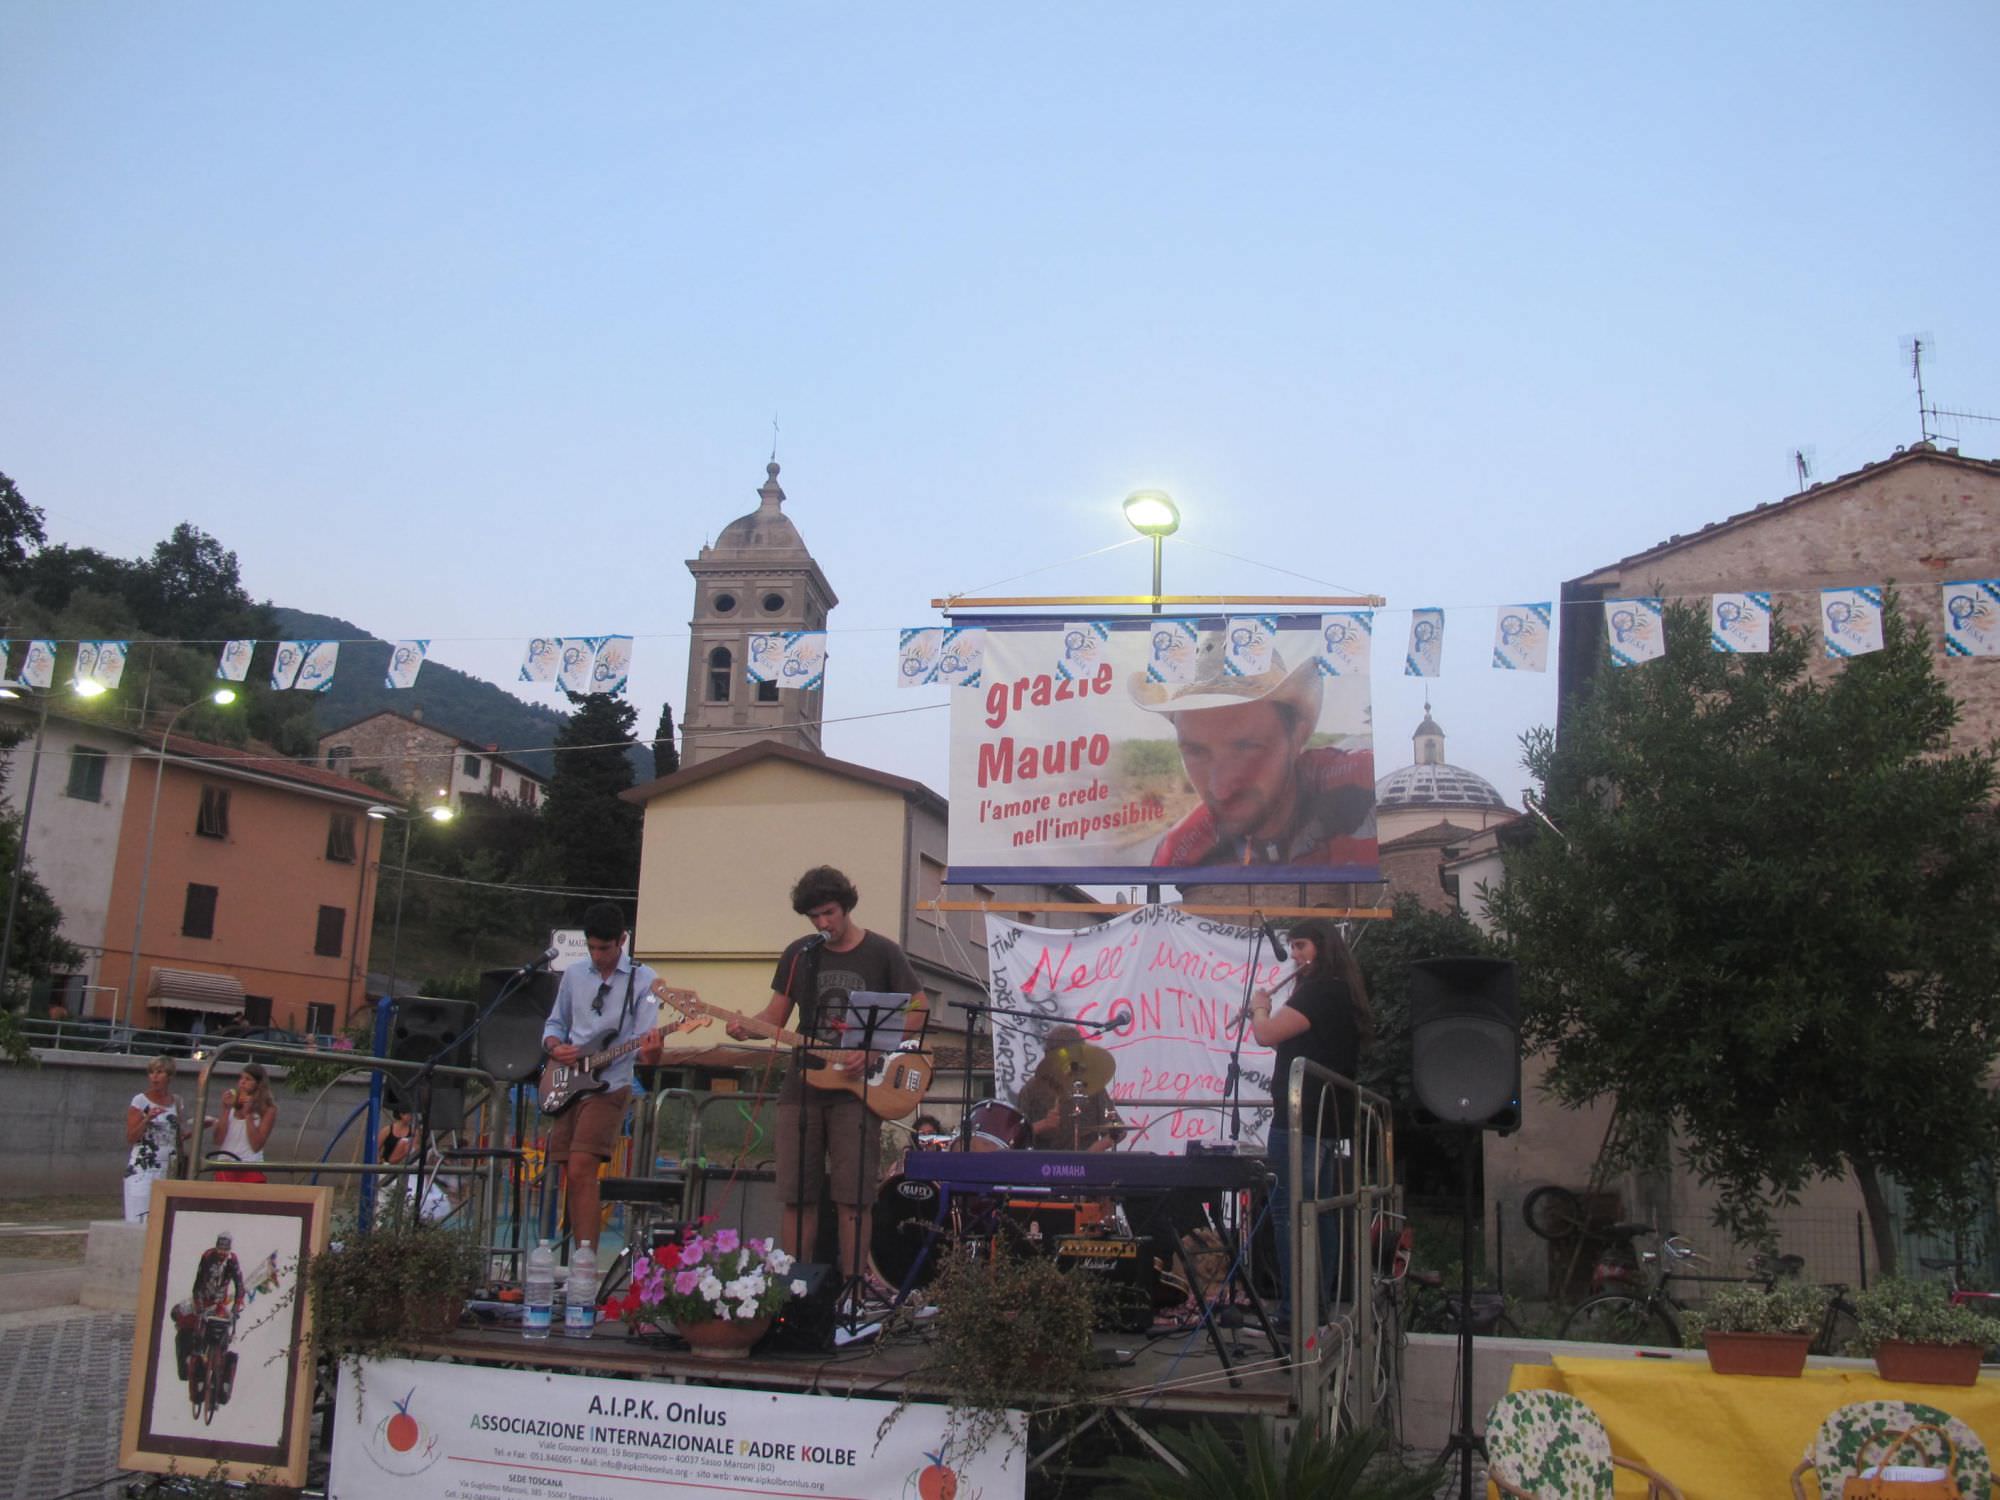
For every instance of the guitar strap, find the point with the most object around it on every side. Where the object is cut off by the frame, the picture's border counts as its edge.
(625, 1011)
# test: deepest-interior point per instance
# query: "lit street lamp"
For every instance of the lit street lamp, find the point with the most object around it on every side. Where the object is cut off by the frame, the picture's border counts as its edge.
(1152, 513)
(380, 811)
(84, 689)
(222, 697)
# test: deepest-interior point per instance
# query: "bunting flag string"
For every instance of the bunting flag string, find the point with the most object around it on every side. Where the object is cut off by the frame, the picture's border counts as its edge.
(1345, 638)
(794, 659)
(233, 665)
(1521, 637)
(1740, 622)
(1853, 621)
(307, 666)
(1972, 617)
(1083, 648)
(1173, 653)
(100, 662)
(961, 656)
(39, 669)
(405, 661)
(1425, 658)
(1638, 630)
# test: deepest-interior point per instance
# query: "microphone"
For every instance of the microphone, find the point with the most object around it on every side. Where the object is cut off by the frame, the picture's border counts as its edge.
(1276, 947)
(813, 942)
(549, 956)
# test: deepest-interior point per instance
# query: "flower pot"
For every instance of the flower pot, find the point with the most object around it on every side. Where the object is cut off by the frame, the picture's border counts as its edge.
(713, 1339)
(1928, 1364)
(1757, 1353)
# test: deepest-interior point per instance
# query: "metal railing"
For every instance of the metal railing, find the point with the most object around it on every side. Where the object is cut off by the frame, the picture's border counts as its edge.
(1355, 1192)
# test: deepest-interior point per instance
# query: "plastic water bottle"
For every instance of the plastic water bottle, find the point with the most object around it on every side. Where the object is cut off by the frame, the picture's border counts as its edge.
(580, 1310)
(538, 1294)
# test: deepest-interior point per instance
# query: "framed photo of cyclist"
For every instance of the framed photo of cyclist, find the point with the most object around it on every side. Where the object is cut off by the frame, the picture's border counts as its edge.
(221, 1373)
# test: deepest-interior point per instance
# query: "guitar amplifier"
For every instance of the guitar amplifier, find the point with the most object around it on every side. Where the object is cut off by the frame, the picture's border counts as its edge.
(1122, 1273)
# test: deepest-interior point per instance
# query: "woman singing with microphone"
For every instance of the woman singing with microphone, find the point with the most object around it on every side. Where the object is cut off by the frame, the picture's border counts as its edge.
(1327, 1021)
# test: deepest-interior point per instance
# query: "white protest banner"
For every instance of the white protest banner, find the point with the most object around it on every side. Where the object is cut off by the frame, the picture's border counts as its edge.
(416, 1428)
(1170, 983)
(1126, 772)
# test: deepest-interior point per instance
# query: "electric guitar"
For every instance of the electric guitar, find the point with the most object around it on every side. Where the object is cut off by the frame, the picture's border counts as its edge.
(892, 1086)
(565, 1083)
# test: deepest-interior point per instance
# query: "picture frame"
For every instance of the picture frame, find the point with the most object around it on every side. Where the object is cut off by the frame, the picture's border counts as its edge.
(221, 1366)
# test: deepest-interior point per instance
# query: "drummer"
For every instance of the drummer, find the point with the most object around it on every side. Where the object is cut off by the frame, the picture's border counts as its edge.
(1068, 1100)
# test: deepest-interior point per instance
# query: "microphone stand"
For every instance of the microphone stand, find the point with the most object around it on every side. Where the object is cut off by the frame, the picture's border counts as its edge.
(1233, 1081)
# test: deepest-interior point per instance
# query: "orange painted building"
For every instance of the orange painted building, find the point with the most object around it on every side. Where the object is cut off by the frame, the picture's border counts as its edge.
(259, 895)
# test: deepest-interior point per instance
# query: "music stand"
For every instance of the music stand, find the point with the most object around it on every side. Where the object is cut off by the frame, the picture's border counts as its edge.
(877, 1024)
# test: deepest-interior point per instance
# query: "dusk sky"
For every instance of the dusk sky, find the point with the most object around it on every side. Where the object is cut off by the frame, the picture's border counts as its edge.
(469, 321)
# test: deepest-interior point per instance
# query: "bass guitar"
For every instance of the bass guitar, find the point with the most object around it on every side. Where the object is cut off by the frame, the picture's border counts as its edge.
(565, 1083)
(891, 1087)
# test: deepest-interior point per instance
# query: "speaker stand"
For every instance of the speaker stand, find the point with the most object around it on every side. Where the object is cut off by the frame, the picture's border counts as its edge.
(1464, 1442)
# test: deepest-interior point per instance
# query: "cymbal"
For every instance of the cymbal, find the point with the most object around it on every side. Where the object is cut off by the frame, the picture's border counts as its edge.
(1080, 1060)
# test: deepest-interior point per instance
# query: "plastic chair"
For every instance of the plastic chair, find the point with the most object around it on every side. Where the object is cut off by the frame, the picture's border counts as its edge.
(1548, 1445)
(1867, 1427)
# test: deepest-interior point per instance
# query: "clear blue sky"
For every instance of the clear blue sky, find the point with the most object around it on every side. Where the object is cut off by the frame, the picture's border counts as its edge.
(469, 321)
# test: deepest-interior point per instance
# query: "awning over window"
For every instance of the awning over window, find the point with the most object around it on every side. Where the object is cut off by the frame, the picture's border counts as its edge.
(188, 989)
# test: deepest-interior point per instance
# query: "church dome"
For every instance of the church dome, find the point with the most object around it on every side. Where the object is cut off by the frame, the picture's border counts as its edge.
(1437, 785)
(767, 528)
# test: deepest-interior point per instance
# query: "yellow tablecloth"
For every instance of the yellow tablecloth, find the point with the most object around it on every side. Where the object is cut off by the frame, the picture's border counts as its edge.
(1733, 1437)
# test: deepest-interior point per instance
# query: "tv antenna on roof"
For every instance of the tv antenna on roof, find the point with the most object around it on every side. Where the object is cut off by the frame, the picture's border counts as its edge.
(1802, 462)
(1915, 347)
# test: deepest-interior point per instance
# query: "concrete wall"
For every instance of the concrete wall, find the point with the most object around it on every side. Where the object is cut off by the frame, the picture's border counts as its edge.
(64, 1122)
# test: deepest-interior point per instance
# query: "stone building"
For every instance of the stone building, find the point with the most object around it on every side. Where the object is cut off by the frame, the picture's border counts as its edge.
(424, 762)
(756, 578)
(1919, 519)
(1424, 812)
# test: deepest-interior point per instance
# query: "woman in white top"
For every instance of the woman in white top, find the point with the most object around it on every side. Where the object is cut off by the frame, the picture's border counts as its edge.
(249, 1115)
(153, 1132)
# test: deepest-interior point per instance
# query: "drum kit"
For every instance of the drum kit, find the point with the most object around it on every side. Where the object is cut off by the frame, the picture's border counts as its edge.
(907, 1237)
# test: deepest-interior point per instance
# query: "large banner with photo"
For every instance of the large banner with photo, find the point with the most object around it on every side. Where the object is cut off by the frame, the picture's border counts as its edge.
(1193, 751)
(1170, 983)
(424, 1430)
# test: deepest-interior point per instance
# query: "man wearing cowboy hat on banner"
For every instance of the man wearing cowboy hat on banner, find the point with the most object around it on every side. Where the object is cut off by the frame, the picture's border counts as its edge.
(1266, 797)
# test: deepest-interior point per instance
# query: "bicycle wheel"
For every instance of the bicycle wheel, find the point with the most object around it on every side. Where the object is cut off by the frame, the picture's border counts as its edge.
(1553, 1213)
(1616, 1319)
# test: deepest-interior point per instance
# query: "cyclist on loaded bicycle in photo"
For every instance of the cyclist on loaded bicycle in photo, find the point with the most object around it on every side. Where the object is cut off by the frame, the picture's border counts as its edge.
(215, 1274)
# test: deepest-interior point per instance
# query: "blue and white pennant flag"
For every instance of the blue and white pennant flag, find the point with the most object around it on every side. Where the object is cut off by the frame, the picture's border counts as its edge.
(1425, 657)
(1085, 644)
(1345, 639)
(406, 659)
(1636, 630)
(1740, 622)
(1851, 620)
(1972, 617)
(1521, 637)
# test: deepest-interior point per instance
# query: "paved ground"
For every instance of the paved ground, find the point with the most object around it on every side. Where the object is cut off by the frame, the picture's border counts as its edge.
(62, 1389)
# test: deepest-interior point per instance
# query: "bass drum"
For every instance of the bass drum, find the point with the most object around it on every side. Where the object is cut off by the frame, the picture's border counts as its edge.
(905, 1227)
(998, 1127)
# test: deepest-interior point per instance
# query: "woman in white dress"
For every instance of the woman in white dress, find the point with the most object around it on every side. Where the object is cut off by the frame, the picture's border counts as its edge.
(153, 1134)
(249, 1115)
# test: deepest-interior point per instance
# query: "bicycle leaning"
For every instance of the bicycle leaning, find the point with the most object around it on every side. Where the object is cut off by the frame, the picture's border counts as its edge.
(1633, 1299)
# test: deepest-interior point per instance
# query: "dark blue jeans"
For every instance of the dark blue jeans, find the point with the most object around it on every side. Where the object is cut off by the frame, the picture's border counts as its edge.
(1324, 1174)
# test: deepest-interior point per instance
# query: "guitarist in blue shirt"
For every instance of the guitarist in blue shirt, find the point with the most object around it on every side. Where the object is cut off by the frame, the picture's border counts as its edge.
(598, 1005)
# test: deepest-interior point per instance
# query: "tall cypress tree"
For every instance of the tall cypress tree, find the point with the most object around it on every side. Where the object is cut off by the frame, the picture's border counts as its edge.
(666, 755)
(591, 834)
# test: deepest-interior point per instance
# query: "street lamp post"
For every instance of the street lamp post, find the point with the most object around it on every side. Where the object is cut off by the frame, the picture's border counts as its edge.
(221, 697)
(439, 814)
(1152, 513)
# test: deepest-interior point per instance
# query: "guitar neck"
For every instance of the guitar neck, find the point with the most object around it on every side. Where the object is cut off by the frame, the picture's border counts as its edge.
(691, 1004)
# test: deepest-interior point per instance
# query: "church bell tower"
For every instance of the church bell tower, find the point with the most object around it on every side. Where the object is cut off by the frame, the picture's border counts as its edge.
(757, 577)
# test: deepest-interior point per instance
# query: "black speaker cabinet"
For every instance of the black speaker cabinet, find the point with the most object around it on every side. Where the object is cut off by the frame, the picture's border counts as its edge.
(420, 1032)
(805, 1324)
(509, 1041)
(1465, 1041)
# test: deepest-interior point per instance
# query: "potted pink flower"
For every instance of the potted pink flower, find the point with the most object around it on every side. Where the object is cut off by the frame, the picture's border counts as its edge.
(717, 1291)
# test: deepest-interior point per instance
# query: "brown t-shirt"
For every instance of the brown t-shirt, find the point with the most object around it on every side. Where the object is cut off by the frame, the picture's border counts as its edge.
(818, 981)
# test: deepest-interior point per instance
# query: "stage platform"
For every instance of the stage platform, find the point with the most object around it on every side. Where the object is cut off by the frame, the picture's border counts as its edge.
(1171, 1373)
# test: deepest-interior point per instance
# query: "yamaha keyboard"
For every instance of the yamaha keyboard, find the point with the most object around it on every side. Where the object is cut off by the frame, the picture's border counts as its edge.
(1085, 1171)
